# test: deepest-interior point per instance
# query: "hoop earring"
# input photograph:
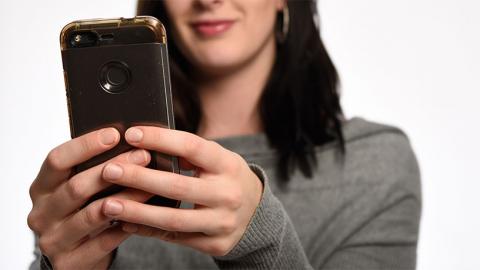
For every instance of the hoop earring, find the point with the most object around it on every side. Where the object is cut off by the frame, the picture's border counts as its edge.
(284, 26)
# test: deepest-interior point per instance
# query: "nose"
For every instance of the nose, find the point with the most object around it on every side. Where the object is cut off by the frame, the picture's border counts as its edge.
(208, 4)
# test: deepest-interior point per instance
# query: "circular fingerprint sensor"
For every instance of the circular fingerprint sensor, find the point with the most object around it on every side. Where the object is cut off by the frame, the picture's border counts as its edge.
(115, 77)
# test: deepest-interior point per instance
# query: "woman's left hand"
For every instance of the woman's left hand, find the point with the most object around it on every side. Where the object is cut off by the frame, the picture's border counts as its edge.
(225, 192)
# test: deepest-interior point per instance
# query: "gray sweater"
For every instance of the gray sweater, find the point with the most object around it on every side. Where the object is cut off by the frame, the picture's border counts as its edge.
(359, 213)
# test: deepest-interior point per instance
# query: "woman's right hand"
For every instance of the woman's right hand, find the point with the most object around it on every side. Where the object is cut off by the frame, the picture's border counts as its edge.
(70, 236)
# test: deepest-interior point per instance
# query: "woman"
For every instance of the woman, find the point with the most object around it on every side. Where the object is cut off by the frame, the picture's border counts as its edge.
(281, 180)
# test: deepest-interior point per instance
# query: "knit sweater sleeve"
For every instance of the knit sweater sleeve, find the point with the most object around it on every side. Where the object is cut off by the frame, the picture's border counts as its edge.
(270, 241)
(382, 233)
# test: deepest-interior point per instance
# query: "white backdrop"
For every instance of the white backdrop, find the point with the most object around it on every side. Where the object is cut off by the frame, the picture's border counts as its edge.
(411, 63)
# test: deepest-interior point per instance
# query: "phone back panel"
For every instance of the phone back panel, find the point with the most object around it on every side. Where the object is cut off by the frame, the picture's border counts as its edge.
(145, 101)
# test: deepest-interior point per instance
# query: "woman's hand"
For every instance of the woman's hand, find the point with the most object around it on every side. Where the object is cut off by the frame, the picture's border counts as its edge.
(71, 237)
(226, 192)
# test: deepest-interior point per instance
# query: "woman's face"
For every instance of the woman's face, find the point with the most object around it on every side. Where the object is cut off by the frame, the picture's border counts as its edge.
(218, 36)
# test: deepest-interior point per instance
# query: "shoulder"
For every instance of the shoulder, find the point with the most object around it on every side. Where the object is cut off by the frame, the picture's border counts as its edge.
(374, 191)
(380, 154)
(359, 129)
(374, 144)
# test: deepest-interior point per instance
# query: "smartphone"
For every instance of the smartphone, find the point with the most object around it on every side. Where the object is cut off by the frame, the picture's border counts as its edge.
(117, 75)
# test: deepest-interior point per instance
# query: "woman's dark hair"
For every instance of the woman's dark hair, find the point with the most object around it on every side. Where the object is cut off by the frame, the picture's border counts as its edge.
(300, 106)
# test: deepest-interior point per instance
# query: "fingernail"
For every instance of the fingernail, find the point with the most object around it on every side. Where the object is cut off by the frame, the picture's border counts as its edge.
(112, 208)
(112, 171)
(137, 156)
(108, 136)
(134, 135)
(130, 228)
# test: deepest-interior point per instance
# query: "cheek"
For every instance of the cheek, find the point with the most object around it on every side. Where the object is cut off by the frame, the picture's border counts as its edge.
(260, 19)
(177, 12)
(176, 8)
(256, 28)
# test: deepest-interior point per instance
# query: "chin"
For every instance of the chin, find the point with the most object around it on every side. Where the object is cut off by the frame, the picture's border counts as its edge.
(219, 59)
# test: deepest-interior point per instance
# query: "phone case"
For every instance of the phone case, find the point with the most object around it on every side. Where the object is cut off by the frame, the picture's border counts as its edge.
(122, 82)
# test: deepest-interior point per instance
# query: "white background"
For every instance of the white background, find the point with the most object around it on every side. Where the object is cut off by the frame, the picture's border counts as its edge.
(410, 63)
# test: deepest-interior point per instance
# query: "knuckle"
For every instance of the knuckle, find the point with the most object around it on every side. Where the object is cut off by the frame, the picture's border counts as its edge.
(228, 225)
(91, 215)
(214, 144)
(235, 163)
(34, 222)
(237, 157)
(59, 262)
(239, 162)
(54, 159)
(45, 244)
(75, 189)
(233, 199)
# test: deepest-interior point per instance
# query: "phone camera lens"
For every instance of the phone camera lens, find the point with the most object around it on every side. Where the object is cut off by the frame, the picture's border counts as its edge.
(83, 39)
(114, 77)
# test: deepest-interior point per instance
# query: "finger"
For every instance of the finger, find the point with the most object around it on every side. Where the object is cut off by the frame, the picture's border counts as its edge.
(165, 218)
(89, 220)
(215, 246)
(91, 252)
(166, 184)
(59, 162)
(75, 192)
(148, 231)
(198, 151)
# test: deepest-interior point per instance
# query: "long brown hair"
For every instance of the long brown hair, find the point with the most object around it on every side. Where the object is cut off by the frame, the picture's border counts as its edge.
(300, 106)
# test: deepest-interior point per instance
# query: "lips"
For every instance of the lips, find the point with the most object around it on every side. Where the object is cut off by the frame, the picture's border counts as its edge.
(212, 28)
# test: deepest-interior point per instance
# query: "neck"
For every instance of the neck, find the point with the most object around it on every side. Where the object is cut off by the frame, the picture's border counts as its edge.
(230, 102)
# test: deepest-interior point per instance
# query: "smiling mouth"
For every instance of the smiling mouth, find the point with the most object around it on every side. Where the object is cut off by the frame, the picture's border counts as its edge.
(212, 28)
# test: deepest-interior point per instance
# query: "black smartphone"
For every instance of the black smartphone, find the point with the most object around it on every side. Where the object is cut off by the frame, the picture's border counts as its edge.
(117, 75)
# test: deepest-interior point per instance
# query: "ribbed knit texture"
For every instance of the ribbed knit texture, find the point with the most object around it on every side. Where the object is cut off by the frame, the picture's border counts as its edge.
(262, 245)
